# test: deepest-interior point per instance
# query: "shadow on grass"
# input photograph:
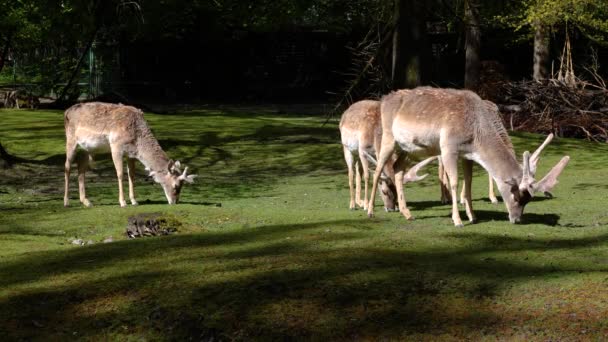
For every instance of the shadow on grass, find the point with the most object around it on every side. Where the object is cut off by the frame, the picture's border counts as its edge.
(527, 218)
(226, 285)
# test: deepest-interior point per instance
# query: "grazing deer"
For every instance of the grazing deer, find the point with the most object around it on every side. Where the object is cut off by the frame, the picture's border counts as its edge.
(430, 121)
(97, 126)
(443, 177)
(361, 135)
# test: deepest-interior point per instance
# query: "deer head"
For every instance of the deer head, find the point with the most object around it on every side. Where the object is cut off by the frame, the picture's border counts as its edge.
(520, 192)
(172, 180)
(388, 192)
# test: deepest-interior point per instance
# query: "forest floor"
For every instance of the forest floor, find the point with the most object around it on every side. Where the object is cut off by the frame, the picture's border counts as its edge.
(268, 250)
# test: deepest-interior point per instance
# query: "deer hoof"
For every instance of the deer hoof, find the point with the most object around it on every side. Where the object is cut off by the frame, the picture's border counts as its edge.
(87, 203)
(123, 204)
(459, 225)
(494, 201)
(133, 202)
(370, 215)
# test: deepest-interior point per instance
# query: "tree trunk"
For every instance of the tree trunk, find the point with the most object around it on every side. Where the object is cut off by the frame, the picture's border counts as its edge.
(472, 45)
(4, 53)
(541, 52)
(409, 45)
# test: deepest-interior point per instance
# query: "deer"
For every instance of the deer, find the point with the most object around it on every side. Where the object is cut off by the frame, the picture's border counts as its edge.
(444, 185)
(98, 127)
(452, 123)
(361, 134)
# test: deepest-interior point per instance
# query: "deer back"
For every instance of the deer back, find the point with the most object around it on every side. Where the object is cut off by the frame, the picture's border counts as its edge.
(424, 116)
(360, 124)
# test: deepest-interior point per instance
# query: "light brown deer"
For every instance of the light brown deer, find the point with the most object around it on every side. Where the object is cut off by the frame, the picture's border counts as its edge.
(445, 186)
(429, 121)
(361, 135)
(98, 127)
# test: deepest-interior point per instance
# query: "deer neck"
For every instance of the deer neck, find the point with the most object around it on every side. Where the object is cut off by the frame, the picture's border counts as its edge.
(500, 161)
(149, 153)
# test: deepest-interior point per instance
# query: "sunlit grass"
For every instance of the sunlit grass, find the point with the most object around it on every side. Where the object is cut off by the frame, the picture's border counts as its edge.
(269, 250)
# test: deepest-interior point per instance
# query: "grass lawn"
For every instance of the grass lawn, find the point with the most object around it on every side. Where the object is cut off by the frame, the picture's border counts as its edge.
(269, 250)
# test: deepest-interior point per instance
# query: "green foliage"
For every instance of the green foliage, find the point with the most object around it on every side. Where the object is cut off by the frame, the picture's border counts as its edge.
(589, 16)
(283, 257)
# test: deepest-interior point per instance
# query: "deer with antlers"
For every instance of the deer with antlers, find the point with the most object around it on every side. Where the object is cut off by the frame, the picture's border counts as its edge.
(445, 186)
(98, 127)
(429, 121)
(361, 135)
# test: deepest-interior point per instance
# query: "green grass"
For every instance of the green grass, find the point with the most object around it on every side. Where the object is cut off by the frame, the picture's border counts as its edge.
(283, 257)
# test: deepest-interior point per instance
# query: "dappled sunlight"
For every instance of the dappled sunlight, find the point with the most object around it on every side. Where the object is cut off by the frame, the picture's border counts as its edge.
(269, 250)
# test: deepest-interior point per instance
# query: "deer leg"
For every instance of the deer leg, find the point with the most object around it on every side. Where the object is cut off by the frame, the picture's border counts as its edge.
(443, 184)
(467, 166)
(491, 194)
(131, 175)
(83, 164)
(385, 153)
(400, 166)
(462, 190)
(348, 157)
(365, 166)
(70, 153)
(462, 193)
(450, 162)
(117, 158)
(358, 200)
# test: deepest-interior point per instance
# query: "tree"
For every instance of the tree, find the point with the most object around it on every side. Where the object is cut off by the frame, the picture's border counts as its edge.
(590, 17)
(20, 24)
(409, 44)
(472, 44)
(541, 52)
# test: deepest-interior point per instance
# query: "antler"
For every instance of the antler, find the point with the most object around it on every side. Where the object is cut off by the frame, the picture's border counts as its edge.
(373, 160)
(527, 179)
(550, 180)
(412, 174)
(536, 155)
(186, 177)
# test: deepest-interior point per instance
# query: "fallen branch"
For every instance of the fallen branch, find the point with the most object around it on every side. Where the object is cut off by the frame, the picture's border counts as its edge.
(579, 111)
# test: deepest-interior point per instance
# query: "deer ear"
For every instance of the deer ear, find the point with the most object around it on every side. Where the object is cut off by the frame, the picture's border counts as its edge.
(177, 165)
(190, 179)
(550, 180)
